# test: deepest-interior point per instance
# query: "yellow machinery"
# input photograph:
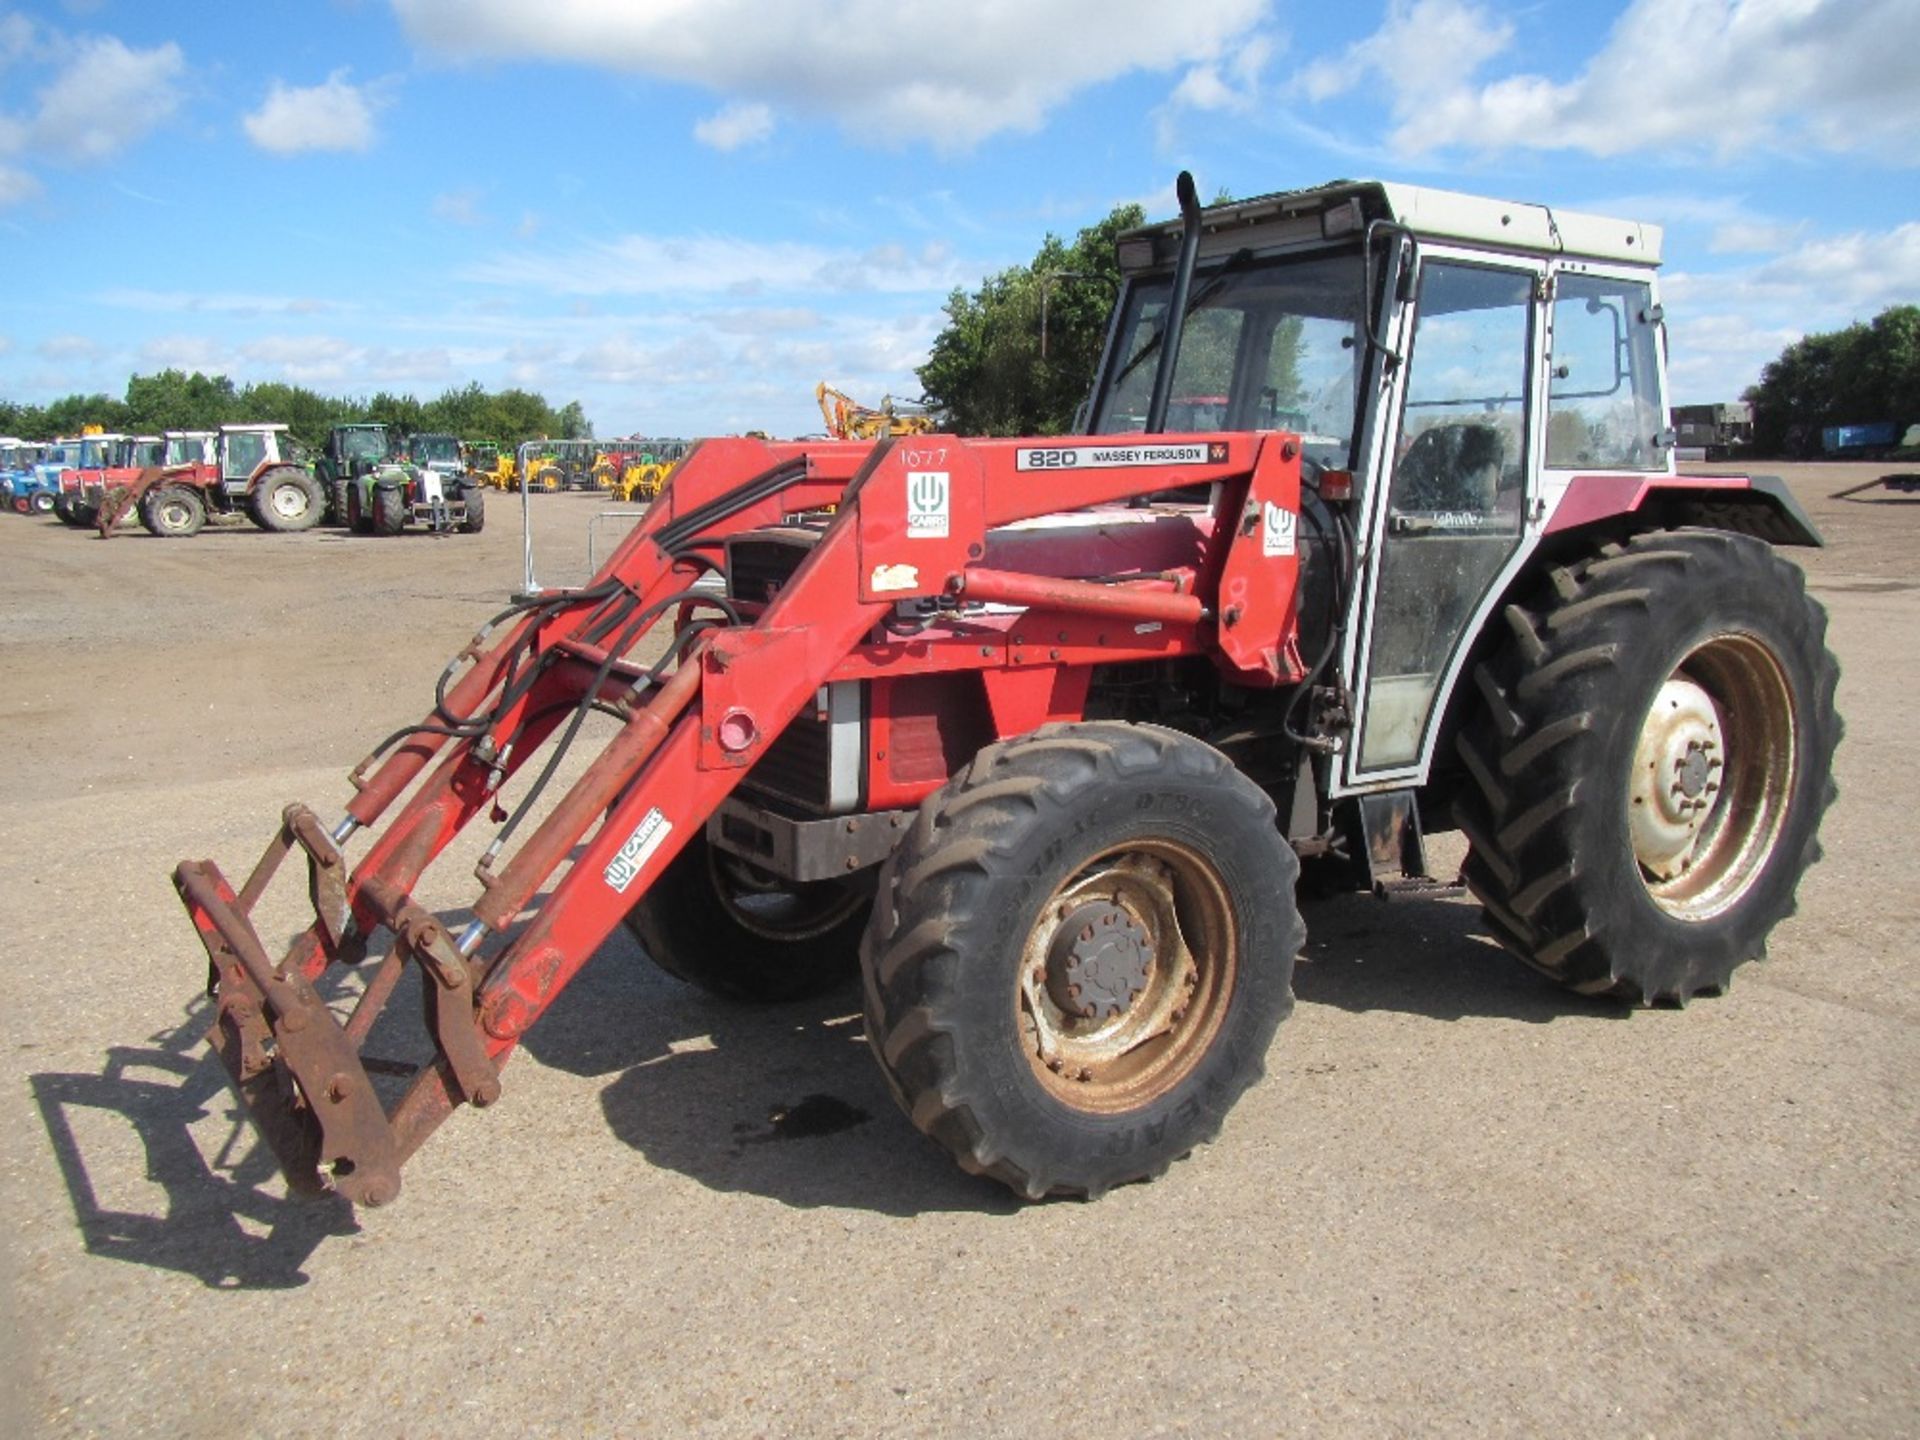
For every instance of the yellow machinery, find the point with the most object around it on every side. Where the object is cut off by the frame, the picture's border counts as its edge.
(848, 419)
(644, 471)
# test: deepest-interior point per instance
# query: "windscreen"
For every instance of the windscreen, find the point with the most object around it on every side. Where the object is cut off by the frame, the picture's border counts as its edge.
(1274, 344)
(429, 448)
(363, 445)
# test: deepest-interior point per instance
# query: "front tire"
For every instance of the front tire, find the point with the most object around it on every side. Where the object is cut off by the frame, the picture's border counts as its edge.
(286, 501)
(173, 512)
(476, 516)
(1080, 954)
(389, 510)
(715, 921)
(1651, 764)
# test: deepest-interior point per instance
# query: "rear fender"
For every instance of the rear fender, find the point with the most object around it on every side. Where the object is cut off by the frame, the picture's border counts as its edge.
(1757, 505)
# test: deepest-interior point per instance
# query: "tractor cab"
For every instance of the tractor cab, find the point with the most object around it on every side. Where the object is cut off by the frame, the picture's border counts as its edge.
(438, 453)
(245, 449)
(1459, 370)
(190, 447)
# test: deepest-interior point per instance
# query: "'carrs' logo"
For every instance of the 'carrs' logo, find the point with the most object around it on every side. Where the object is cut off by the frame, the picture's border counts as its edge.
(1277, 527)
(929, 504)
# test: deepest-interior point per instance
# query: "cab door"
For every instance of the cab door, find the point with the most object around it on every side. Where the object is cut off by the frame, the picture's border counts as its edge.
(1453, 503)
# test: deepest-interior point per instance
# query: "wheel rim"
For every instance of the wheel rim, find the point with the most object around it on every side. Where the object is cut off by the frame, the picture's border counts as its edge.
(777, 909)
(1127, 975)
(289, 502)
(1712, 773)
(174, 515)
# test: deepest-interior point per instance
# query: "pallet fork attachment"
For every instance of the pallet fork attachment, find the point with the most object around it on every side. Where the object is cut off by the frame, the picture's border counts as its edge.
(909, 522)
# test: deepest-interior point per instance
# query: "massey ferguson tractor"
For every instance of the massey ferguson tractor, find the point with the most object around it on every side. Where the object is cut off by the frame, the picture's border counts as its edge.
(1036, 734)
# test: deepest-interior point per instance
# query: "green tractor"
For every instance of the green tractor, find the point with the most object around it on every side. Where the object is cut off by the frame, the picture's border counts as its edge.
(352, 452)
(426, 484)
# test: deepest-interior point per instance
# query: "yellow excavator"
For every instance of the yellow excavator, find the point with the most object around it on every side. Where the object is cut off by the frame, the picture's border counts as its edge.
(848, 419)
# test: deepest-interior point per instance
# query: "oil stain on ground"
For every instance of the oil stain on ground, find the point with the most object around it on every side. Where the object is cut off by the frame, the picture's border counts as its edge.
(808, 1119)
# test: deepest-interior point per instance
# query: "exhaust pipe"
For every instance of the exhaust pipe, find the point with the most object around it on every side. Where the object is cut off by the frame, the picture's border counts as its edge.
(1176, 320)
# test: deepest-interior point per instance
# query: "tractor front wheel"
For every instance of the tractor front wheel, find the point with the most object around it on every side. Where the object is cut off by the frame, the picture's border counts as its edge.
(42, 502)
(389, 510)
(476, 516)
(719, 922)
(287, 500)
(173, 512)
(1651, 764)
(1079, 955)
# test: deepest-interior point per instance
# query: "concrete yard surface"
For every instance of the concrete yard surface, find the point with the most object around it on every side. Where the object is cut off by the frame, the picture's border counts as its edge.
(1462, 1202)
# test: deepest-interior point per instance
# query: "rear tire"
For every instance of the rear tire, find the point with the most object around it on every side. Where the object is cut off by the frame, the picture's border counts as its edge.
(285, 501)
(1080, 954)
(173, 512)
(476, 519)
(713, 921)
(1650, 764)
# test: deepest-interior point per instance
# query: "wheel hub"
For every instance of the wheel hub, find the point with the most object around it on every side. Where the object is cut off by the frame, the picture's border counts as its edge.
(1099, 962)
(1677, 770)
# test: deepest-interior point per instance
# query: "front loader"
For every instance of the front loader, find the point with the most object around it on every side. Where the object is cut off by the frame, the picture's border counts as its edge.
(1036, 734)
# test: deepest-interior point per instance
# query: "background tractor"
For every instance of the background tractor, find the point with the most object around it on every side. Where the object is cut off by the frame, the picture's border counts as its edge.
(431, 489)
(350, 452)
(252, 470)
(1034, 735)
(82, 491)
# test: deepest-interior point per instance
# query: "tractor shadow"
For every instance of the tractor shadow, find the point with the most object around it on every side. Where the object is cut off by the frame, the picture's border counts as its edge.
(1430, 957)
(217, 1217)
(783, 1101)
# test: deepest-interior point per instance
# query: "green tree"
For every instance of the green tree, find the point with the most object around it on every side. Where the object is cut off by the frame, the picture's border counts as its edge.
(1860, 375)
(175, 400)
(572, 422)
(307, 414)
(987, 371)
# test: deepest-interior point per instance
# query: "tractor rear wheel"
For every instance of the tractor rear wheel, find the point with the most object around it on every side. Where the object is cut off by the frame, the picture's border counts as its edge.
(1079, 955)
(389, 510)
(718, 922)
(1651, 764)
(287, 500)
(476, 519)
(173, 512)
(337, 490)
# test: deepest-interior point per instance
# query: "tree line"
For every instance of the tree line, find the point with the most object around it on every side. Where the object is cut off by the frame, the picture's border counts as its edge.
(177, 400)
(1862, 375)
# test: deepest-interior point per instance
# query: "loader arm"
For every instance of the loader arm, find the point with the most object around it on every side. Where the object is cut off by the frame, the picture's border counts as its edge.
(910, 521)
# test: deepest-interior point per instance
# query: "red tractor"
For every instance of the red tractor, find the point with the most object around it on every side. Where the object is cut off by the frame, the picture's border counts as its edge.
(255, 470)
(1036, 734)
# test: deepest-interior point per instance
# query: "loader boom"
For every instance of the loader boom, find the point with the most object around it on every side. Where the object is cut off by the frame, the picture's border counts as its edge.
(910, 523)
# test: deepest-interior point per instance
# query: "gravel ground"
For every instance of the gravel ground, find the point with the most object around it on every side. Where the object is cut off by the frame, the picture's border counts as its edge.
(1463, 1201)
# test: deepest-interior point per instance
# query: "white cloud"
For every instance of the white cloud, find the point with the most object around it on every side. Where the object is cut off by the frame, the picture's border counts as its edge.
(334, 115)
(1724, 326)
(459, 207)
(887, 71)
(1421, 50)
(1753, 237)
(68, 347)
(724, 265)
(103, 98)
(735, 125)
(1723, 77)
(200, 302)
(16, 185)
(106, 98)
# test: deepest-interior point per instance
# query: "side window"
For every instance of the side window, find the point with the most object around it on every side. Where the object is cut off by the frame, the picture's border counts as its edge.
(245, 451)
(1603, 407)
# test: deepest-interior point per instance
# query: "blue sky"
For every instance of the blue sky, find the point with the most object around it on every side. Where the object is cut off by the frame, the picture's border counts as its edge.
(685, 212)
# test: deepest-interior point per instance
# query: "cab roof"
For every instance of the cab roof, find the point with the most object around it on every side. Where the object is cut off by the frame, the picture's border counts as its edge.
(1347, 206)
